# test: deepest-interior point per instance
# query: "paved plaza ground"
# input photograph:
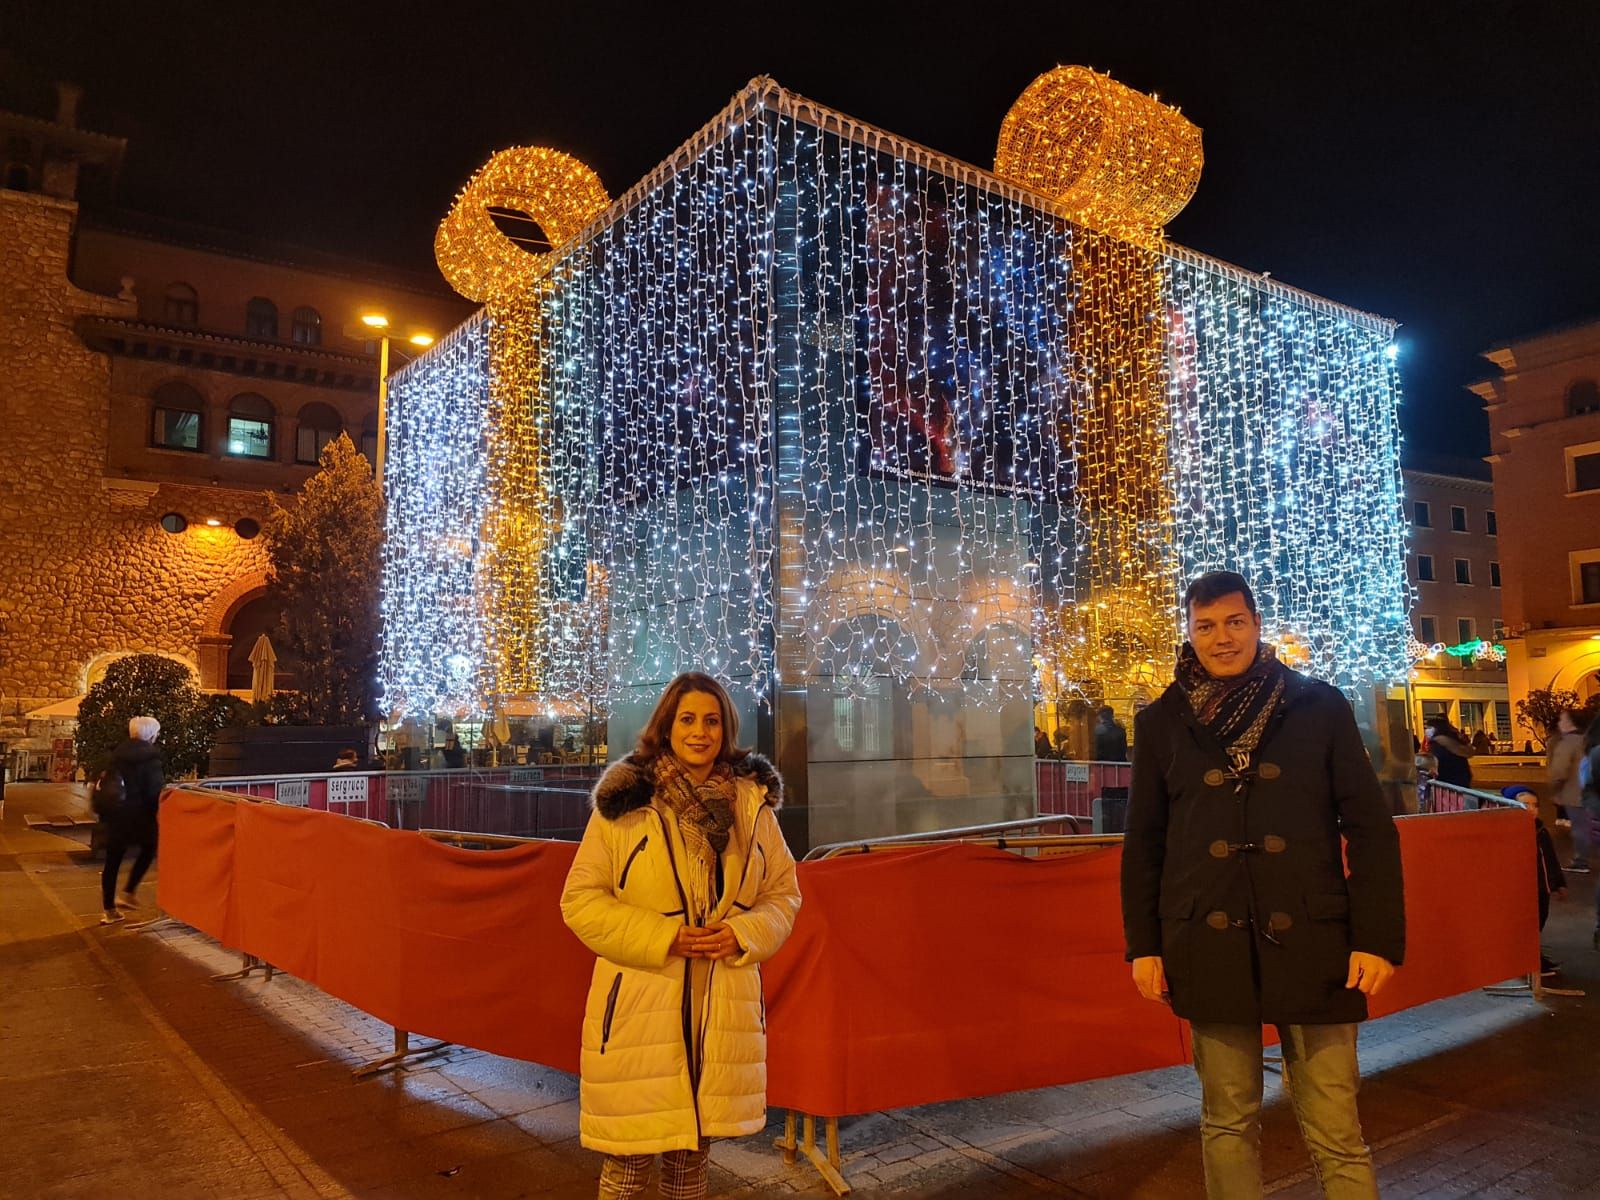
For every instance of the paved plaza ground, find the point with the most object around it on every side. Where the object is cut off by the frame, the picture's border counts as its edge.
(125, 1072)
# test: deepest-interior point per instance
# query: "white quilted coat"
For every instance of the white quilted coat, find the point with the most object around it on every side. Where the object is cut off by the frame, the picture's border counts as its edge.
(625, 900)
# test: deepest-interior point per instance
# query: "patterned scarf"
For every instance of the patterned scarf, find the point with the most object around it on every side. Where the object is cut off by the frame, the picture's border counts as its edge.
(1236, 710)
(705, 818)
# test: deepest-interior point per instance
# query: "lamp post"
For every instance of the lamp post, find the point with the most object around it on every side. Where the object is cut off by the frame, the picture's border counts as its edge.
(375, 327)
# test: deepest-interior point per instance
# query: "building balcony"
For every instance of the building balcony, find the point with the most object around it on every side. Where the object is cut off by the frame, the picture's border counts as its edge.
(205, 350)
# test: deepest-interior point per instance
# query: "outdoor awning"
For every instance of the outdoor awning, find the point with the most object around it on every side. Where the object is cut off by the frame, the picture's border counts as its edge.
(61, 710)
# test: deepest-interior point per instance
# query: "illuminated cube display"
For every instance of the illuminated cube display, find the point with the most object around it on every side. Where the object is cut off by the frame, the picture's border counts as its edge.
(895, 448)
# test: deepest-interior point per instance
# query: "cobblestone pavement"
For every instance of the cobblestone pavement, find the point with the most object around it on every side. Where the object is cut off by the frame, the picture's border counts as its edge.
(125, 1072)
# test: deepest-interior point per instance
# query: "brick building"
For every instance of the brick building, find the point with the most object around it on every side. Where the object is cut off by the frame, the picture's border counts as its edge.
(1454, 564)
(1544, 426)
(158, 381)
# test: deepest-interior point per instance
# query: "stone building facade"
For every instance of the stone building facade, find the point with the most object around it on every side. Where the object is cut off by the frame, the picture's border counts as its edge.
(1544, 429)
(143, 433)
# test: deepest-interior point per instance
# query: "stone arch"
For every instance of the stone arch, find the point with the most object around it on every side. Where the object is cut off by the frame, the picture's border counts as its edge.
(227, 603)
(95, 669)
(214, 639)
(1577, 669)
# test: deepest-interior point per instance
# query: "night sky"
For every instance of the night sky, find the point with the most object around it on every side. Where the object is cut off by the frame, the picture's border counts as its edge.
(1436, 163)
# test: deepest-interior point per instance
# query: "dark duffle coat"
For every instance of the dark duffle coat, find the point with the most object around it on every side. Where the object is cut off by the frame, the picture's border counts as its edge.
(1235, 878)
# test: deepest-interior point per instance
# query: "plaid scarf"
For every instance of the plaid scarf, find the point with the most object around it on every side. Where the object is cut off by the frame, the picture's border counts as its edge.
(705, 818)
(1235, 710)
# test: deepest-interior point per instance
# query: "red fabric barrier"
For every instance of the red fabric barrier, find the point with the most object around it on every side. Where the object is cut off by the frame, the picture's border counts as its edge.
(1472, 905)
(957, 971)
(911, 977)
(197, 837)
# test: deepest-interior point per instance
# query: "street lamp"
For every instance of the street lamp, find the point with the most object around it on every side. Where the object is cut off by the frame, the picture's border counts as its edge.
(375, 327)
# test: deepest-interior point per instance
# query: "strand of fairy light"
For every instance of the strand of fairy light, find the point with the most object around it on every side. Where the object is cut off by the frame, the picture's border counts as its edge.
(1308, 400)
(432, 627)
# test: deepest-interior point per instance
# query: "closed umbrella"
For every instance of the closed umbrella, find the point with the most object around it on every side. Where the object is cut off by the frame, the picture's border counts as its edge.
(263, 670)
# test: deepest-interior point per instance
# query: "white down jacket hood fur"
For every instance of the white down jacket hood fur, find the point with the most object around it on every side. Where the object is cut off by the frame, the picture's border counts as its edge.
(625, 901)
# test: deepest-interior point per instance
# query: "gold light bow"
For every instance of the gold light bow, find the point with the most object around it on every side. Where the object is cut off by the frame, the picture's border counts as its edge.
(562, 195)
(555, 189)
(1117, 160)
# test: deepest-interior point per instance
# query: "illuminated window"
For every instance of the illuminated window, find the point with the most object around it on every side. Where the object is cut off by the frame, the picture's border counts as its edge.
(250, 426)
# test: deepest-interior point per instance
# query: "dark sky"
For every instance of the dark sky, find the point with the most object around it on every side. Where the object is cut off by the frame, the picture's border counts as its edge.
(1438, 163)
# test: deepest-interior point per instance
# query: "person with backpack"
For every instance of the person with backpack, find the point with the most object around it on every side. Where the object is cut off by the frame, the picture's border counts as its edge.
(126, 797)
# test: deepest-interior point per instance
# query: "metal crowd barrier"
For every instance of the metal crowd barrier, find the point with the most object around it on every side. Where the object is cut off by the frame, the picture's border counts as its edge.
(1436, 797)
(538, 802)
(1095, 791)
(1006, 835)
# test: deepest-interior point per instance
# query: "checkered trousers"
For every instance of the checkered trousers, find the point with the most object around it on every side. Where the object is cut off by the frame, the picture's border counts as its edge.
(683, 1174)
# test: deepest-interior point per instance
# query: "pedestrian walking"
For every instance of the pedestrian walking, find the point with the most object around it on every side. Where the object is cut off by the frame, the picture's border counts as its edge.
(130, 819)
(1237, 906)
(1566, 789)
(682, 887)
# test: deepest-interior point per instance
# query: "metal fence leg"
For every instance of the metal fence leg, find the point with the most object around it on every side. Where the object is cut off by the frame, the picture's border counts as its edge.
(404, 1054)
(155, 923)
(827, 1164)
(1534, 987)
(249, 965)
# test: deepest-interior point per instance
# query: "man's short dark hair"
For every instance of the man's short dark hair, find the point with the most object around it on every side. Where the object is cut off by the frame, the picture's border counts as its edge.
(1107, 714)
(1213, 586)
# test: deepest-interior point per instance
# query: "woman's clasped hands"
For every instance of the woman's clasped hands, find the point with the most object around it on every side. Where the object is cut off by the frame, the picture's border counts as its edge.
(715, 941)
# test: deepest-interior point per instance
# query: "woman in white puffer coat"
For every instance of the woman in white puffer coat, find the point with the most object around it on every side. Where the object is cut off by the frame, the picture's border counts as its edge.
(682, 887)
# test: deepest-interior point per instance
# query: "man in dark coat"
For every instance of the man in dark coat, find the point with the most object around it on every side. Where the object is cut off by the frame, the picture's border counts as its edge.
(1110, 738)
(134, 823)
(1237, 907)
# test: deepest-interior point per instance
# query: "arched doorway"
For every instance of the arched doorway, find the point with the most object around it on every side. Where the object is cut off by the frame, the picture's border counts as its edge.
(254, 617)
(1588, 686)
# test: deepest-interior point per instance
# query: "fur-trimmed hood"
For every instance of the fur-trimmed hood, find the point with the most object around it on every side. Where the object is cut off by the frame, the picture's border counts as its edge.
(630, 781)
